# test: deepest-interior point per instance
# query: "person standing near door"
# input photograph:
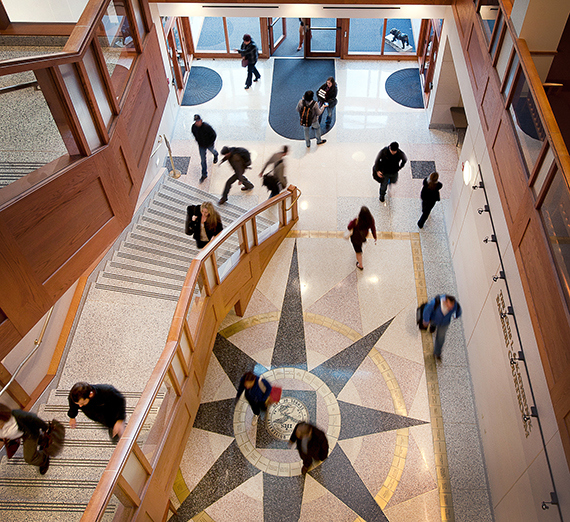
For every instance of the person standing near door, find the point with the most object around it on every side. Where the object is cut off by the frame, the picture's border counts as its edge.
(301, 34)
(250, 53)
(327, 94)
(309, 111)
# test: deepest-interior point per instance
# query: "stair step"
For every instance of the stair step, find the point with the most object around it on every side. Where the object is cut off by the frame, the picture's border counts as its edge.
(138, 283)
(59, 396)
(150, 264)
(114, 267)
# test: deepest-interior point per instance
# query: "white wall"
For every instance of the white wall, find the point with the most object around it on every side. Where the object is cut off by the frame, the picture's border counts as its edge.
(516, 464)
(44, 11)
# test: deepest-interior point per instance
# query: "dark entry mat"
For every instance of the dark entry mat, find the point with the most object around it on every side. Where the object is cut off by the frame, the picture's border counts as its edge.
(422, 169)
(203, 85)
(291, 78)
(404, 87)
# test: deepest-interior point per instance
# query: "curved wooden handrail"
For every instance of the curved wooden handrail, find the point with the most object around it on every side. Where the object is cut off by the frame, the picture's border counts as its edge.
(111, 476)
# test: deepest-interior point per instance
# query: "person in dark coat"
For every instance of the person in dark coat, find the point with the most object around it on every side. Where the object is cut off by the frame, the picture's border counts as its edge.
(312, 444)
(257, 392)
(206, 137)
(203, 223)
(17, 423)
(389, 162)
(327, 94)
(429, 195)
(102, 403)
(238, 162)
(438, 313)
(249, 51)
(359, 228)
(275, 180)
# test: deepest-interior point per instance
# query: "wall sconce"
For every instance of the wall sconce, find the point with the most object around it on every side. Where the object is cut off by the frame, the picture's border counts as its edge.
(467, 172)
(484, 209)
(553, 501)
(500, 276)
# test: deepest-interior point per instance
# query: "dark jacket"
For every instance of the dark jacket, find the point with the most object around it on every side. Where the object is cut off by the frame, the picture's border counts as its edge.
(318, 447)
(236, 160)
(430, 195)
(205, 135)
(389, 164)
(193, 227)
(249, 51)
(433, 314)
(330, 94)
(29, 423)
(359, 233)
(107, 406)
(256, 393)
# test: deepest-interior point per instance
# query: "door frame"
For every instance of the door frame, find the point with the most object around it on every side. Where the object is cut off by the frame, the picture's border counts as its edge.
(271, 40)
(308, 33)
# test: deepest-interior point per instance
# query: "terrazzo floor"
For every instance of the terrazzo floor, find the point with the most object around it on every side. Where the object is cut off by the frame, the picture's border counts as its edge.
(341, 343)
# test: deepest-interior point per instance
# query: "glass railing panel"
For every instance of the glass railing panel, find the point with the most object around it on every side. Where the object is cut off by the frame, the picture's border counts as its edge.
(185, 346)
(134, 473)
(154, 427)
(196, 306)
(117, 511)
(399, 36)
(543, 172)
(30, 137)
(98, 86)
(80, 104)
(139, 18)
(527, 122)
(250, 233)
(555, 212)
(504, 54)
(511, 75)
(117, 43)
(267, 223)
(237, 27)
(489, 11)
(228, 254)
(177, 369)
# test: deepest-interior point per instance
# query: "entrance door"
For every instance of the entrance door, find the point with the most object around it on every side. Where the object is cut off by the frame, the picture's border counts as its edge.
(322, 37)
(277, 33)
(176, 30)
(427, 59)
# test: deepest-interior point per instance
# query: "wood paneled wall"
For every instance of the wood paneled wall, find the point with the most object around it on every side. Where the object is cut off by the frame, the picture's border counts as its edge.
(50, 235)
(549, 313)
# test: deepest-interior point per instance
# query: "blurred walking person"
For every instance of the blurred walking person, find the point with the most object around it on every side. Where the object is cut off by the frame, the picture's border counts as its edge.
(429, 196)
(358, 229)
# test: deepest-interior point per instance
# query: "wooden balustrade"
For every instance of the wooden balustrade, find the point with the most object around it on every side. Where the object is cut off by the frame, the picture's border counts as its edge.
(206, 298)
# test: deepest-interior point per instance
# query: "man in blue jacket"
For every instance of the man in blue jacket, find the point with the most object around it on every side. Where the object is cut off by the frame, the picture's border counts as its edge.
(438, 313)
(257, 392)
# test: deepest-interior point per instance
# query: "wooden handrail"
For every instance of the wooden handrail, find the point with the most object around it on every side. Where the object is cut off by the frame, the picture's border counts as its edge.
(111, 476)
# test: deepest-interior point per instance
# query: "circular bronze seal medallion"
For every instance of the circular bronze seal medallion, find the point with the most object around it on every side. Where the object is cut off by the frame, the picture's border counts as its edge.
(284, 416)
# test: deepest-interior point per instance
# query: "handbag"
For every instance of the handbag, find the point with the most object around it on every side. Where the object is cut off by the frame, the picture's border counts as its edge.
(51, 440)
(11, 446)
(274, 396)
(244, 62)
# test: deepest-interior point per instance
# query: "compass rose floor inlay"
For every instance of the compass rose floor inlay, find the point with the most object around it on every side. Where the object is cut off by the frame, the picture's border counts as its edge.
(343, 346)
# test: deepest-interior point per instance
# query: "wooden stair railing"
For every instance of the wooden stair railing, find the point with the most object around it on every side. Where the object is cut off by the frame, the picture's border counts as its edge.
(137, 481)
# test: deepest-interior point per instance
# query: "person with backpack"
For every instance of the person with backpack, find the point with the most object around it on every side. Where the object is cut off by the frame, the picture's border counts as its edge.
(437, 314)
(275, 180)
(309, 111)
(240, 159)
(249, 52)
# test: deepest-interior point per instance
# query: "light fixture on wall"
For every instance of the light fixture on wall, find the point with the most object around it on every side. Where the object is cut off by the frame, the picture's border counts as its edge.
(553, 501)
(467, 172)
(500, 276)
(490, 239)
(484, 209)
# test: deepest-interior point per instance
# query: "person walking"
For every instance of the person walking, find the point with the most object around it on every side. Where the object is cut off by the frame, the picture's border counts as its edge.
(312, 444)
(327, 94)
(429, 195)
(203, 223)
(240, 159)
(205, 135)
(389, 162)
(438, 313)
(275, 180)
(15, 424)
(250, 53)
(359, 228)
(309, 111)
(102, 403)
(301, 34)
(257, 393)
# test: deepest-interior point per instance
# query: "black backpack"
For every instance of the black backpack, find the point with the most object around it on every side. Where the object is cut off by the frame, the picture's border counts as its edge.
(244, 153)
(307, 114)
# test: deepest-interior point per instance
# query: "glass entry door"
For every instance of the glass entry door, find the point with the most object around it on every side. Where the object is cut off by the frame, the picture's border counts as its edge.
(277, 33)
(428, 56)
(322, 37)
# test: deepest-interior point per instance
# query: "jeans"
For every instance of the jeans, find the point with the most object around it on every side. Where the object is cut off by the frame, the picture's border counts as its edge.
(203, 158)
(440, 332)
(251, 70)
(307, 130)
(246, 183)
(386, 179)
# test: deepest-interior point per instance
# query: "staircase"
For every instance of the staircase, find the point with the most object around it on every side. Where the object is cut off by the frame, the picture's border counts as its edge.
(11, 171)
(143, 276)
